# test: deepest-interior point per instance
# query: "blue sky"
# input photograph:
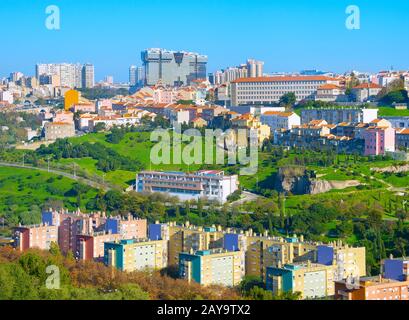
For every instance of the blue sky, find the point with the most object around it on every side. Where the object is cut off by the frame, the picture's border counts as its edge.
(287, 35)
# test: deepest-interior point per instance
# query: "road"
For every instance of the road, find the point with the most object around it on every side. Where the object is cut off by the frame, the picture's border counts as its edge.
(88, 182)
(246, 197)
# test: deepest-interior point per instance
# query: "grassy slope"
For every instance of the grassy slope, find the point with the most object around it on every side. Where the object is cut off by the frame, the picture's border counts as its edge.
(24, 187)
(138, 146)
(389, 111)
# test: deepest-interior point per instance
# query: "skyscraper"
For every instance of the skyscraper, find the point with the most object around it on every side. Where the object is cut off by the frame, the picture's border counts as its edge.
(68, 74)
(140, 76)
(109, 79)
(173, 68)
(132, 75)
(88, 76)
(255, 68)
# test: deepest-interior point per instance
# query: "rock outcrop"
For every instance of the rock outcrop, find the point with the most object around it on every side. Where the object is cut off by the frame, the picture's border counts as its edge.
(297, 180)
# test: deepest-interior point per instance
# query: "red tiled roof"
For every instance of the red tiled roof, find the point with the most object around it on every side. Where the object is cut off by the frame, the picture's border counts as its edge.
(404, 131)
(368, 86)
(329, 86)
(277, 79)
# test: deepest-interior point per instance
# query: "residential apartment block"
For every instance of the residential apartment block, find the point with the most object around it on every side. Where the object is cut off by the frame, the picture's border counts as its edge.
(402, 139)
(35, 236)
(366, 92)
(395, 269)
(210, 267)
(83, 234)
(372, 288)
(136, 254)
(379, 138)
(339, 115)
(58, 130)
(68, 74)
(312, 280)
(347, 261)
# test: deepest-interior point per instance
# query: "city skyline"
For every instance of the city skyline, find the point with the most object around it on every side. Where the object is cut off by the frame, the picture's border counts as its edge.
(275, 33)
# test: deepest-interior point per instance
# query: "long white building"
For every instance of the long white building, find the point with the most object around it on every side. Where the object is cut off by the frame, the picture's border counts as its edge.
(210, 184)
(268, 90)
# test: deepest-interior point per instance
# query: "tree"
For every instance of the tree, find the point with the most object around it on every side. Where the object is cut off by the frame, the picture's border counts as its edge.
(100, 126)
(399, 96)
(288, 100)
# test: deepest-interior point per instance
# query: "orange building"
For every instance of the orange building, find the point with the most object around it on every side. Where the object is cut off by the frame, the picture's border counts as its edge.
(373, 288)
(72, 97)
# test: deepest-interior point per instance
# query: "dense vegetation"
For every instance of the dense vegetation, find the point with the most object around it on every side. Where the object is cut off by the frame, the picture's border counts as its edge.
(23, 276)
(12, 127)
(102, 93)
(107, 159)
(24, 193)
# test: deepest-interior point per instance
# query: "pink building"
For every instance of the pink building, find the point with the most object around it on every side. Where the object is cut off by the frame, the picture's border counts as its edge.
(379, 138)
(165, 95)
(72, 224)
(91, 247)
(36, 236)
(129, 228)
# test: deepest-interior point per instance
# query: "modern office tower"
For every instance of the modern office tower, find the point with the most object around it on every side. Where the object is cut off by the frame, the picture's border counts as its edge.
(70, 75)
(132, 75)
(311, 279)
(210, 184)
(173, 68)
(212, 267)
(269, 90)
(88, 76)
(136, 254)
(255, 68)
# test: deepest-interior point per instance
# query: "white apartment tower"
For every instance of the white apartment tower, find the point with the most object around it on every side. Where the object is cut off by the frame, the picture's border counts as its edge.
(69, 75)
(254, 68)
(88, 76)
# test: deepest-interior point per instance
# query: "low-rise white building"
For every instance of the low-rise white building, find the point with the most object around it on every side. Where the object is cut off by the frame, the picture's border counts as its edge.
(210, 184)
(280, 120)
(6, 96)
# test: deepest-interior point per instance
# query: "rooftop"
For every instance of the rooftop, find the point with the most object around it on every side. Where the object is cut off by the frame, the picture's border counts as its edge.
(286, 79)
